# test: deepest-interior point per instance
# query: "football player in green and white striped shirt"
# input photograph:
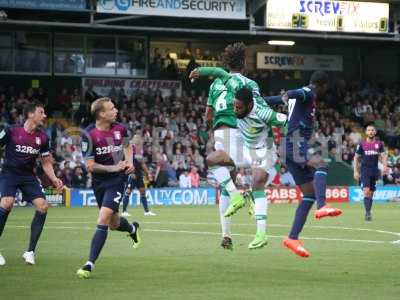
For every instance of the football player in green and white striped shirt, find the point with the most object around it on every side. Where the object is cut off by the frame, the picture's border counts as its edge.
(234, 57)
(255, 120)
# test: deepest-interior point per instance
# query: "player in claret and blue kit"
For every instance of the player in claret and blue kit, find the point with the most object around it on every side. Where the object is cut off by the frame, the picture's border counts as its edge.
(306, 166)
(109, 159)
(369, 152)
(23, 145)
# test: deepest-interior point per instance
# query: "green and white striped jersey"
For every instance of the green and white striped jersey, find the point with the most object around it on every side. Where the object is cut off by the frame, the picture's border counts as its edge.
(256, 126)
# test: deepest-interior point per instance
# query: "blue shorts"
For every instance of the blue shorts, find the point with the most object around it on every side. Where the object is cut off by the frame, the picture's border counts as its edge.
(368, 179)
(28, 184)
(296, 162)
(108, 193)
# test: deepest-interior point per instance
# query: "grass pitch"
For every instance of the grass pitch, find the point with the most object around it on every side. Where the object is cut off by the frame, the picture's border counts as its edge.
(180, 257)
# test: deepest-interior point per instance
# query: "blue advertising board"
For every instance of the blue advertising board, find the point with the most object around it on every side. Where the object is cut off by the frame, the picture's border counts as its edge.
(166, 196)
(382, 194)
(67, 5)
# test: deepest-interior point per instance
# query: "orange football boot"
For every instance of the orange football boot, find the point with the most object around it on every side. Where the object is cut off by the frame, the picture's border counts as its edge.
(296, 246)
(327, 211)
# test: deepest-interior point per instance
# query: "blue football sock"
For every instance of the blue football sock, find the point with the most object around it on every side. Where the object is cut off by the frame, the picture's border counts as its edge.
(301, 217)
(124, 225)
(320, 186)
(3, 219)
(367, 204)
(125, 202)
(99, 238)
(36, 229)
(145, 204)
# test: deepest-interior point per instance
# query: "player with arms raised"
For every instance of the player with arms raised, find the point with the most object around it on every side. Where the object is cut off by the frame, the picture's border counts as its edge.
(109, 159)
(221, 117)
(369, 152)
(308, 169)
(23, 145)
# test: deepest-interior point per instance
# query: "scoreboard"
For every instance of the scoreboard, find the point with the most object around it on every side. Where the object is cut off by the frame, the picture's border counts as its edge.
(328, 15)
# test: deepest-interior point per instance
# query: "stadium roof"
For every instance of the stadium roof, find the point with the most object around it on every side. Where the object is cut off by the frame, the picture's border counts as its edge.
(92, 21)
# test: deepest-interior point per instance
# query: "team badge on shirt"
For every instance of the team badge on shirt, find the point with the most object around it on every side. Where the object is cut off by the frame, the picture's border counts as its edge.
(38, 140)
(117, 135)
(376, 146)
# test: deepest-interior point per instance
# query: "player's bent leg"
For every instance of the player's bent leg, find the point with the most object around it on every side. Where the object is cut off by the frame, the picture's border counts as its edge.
(38, 221)
(121, 224)
(6, 204)
(260, 177)
(320, 174)
(98, 241)
(217, 163)
(319, 182)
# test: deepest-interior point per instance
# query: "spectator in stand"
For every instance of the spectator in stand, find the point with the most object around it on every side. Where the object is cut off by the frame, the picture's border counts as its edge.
(286, 179)
(79, 178)
(194, 177)
(64, 101)
(185, 180)
(161, 176)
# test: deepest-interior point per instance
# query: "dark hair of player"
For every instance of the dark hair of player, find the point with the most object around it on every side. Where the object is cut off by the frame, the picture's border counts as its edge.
(370, 125)
(319, 78)
(234, 56)
(31, 107)
(245, 95)
(98, 106)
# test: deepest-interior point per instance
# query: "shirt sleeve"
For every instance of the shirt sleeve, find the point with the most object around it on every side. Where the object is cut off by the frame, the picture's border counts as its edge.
(4, 135)
(87, 146)
(305, 94)
(214, 72)
(359, 150)
(45, 149)
(273, 100)
(269, 116)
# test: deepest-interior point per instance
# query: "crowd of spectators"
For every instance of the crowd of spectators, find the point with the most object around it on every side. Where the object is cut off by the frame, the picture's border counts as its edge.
(176, 150)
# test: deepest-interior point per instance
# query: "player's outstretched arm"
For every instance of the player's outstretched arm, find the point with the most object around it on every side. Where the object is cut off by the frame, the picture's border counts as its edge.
(275, 100)
(47, 165)
(269, 116)
(210, 72)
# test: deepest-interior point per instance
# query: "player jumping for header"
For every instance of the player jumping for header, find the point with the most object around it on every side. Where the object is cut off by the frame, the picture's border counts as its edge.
(308, 169)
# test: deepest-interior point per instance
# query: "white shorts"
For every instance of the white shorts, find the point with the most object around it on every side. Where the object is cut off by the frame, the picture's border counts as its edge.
(231, 142)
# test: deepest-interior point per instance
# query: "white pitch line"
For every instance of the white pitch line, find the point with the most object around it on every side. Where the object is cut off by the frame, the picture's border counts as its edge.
(244, 224)
(217, 233)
